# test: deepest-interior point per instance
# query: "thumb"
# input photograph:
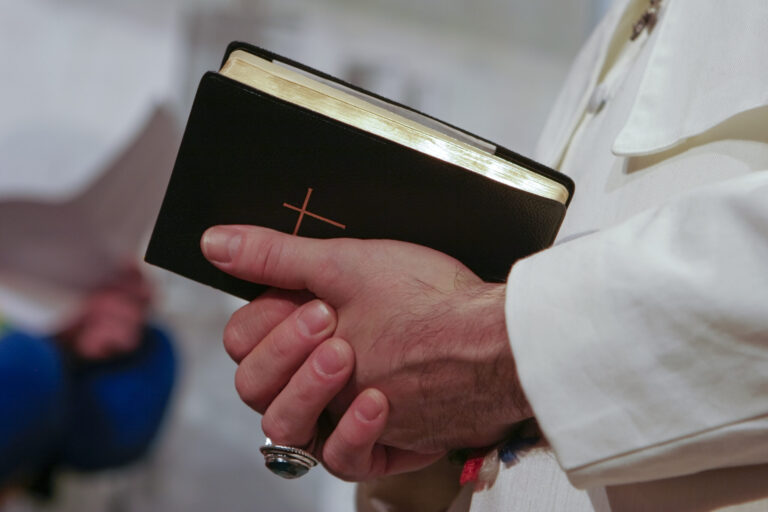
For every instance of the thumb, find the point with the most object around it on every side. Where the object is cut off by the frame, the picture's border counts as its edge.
(272, 258)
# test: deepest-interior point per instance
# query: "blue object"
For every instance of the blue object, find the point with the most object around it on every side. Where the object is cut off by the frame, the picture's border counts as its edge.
(84, 415)
(32, 405)
(509, 451)
(286, 469)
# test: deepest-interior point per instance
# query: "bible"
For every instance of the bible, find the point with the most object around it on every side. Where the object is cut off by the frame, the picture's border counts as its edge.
(274, 143)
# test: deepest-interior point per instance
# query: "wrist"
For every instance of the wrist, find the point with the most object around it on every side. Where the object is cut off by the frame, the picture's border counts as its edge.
(494, 394)
(501, 377)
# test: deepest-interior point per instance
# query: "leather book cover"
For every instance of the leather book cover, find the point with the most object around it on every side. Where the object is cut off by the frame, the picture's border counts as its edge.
(251, 158)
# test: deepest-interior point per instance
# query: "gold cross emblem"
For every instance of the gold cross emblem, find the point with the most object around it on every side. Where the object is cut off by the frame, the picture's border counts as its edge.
(303, 211)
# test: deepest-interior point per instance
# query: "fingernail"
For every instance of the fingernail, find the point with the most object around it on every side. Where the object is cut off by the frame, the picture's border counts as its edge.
(331, 359)
(220, 244)
(314, 318)
(369, 406)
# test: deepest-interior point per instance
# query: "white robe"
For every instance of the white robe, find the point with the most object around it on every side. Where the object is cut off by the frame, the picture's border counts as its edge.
(642, 337)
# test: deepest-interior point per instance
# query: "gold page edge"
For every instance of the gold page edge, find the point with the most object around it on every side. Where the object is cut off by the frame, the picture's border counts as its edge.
(522, 179)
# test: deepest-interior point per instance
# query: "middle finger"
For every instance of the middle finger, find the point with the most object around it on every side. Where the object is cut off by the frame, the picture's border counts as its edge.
(264, 372)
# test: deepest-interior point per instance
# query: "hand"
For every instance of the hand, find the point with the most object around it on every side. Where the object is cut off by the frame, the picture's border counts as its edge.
(427, 334)
(290, 370)
(111, 319)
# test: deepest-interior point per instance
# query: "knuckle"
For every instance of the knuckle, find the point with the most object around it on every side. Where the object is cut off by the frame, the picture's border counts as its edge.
(282, 347)
(246, 328)
(268, 257)
(330, 266)
(250, 393)
(233, 339)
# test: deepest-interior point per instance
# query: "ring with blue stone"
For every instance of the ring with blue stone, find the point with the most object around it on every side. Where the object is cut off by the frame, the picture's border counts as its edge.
(287, 461)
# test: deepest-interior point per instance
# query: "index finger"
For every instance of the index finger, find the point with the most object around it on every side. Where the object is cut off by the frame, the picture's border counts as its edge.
(252, 322)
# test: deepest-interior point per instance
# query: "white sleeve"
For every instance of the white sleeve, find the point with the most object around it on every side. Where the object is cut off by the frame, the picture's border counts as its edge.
(643, 349)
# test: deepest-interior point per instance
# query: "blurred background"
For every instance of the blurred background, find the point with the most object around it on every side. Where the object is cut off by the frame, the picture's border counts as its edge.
(80, 80)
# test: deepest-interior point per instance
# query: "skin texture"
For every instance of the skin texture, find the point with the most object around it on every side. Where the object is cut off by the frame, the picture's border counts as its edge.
(398, 352)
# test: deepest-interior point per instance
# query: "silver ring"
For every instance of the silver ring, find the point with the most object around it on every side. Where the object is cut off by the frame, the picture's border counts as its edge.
(287, 461)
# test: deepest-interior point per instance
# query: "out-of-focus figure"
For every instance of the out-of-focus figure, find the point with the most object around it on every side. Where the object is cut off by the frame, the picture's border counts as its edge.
(90, 397)
(85, 377)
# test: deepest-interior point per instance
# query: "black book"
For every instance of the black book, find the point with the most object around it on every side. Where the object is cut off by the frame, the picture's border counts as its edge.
(273, 143)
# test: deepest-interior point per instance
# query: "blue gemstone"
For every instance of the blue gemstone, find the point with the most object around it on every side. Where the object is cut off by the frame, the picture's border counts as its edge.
(287, 469)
